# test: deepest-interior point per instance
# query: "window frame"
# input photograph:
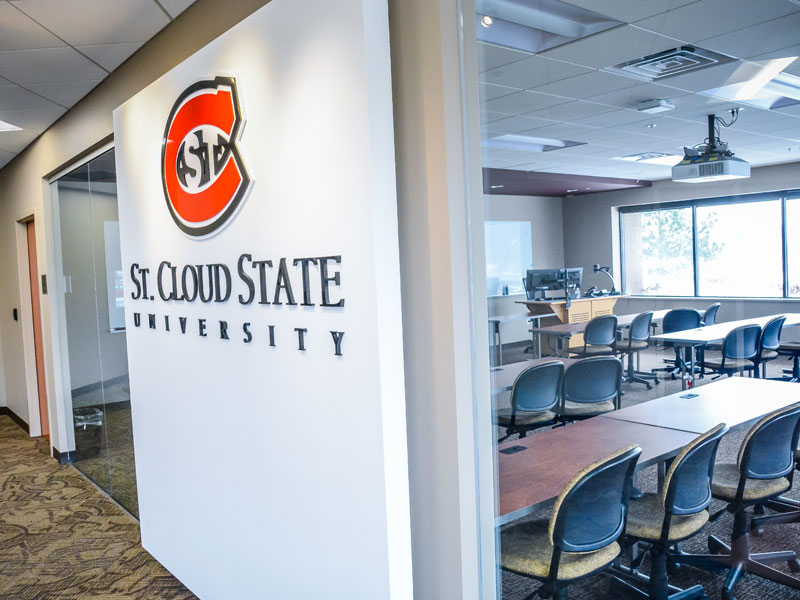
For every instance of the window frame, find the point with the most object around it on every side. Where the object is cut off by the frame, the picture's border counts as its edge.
(782, 196)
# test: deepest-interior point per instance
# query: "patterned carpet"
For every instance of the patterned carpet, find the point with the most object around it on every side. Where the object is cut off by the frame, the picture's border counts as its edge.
(61, 539)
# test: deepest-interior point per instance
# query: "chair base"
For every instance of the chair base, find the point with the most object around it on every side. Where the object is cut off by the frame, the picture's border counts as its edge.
(788, 512)
(738, 559)
(631, 375)
(657, 587)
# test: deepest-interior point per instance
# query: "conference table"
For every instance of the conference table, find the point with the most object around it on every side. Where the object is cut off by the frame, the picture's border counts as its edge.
(564, 331)
(533, 471)
(692, 339)
(502, 378)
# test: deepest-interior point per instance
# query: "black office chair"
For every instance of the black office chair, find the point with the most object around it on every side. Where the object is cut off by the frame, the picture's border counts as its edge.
(740, 350)
(768, 345)
(792, 350)
(638, 340)
(763, 470)
(591, 387)
(533, 397)
(676, 513)
(599, 337)
(679, 319)
(710, 314)
(580, 537)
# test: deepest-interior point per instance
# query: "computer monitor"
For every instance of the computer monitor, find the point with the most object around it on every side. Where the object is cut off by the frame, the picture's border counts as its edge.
(539, 281)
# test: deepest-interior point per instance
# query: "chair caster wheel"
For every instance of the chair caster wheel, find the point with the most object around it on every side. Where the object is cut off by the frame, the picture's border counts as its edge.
(673, 568)
(673, 377)
(757, 531)
(714, 546)
(656, 381)
(794, 565)
(649, 387)
(759, 509)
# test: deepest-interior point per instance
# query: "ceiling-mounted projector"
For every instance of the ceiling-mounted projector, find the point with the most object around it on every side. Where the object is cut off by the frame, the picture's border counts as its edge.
(711, 161)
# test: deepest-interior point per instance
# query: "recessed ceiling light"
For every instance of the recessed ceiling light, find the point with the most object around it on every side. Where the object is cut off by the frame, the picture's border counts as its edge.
(9, 127)
(528, 143)
(496, 187)
(486, 21)
(652, 158)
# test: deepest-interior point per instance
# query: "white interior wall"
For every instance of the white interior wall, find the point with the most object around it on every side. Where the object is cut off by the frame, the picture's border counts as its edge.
(95, 352)
(86, 125)
(591, 234)
(547, 247)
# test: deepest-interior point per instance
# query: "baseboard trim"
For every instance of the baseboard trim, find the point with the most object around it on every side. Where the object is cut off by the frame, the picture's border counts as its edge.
(64, 458)
(4, 410)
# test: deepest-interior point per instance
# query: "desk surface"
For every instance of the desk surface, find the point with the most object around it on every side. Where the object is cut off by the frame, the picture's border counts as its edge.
(570, 329)
(736, 401)
(533, 478)
(715, 333)
(503, 378)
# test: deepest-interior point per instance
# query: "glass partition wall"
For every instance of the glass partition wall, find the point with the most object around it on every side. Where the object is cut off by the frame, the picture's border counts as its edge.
(95, 322)
(582, 117)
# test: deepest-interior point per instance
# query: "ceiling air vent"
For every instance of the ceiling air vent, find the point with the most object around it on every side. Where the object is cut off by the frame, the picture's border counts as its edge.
(671, 62)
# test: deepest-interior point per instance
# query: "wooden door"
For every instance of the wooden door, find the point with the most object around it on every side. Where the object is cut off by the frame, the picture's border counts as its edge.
(33, 268)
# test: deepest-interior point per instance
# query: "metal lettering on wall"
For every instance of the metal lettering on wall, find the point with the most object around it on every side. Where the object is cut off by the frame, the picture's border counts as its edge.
(205, 182)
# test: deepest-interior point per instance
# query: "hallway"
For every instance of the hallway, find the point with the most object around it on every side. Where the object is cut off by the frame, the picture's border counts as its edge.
(61, 539)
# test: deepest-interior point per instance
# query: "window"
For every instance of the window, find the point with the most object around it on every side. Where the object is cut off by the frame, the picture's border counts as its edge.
(793, 247)
(658, 252)
(508, 255)
(724, 247)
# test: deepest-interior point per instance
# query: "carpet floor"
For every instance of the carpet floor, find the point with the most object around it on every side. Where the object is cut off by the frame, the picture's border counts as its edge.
(61, 539)
(784, 537)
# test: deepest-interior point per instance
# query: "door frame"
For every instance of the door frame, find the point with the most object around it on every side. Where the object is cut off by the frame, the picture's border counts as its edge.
(60, 349)
(26, 318)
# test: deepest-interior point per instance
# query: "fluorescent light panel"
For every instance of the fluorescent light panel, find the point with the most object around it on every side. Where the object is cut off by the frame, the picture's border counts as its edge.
(9, 127)
(528, 143)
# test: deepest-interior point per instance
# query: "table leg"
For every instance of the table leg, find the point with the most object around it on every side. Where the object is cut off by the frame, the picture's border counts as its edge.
(684, 375)
(500, 344)
(691, 366)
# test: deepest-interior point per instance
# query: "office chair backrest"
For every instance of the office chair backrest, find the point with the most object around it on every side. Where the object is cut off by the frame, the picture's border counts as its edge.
(538, 388)
(742, 342)
(592, 380)
(710, 316)
(680, 319)
(771, 334)
(768, 450)
(591, 511)
(687, 487)
(601, 331)
(640, 328)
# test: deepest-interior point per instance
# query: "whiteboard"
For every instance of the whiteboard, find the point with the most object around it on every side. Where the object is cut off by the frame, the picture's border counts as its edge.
(116, 296)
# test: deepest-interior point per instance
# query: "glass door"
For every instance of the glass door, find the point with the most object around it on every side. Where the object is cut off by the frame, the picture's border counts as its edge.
(95, 318)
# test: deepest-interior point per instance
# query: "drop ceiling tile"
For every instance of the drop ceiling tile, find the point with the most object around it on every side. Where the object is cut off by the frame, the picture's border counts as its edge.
(570, 111)
(491, 56)
(757, 40)
(488, 116)
(176, 7)
(82, 23)
(662, 127)
(66, 93)
(110, 56)
(792, 69)
(16, 141)
(51, 65)
(489, 91)
(32, 120)
(14, 97)
(764, 121)
(614, 118)
(793, 110)
(5, 158)
(532, 72)
(558, 131)
(632, 96)
(514, 124)
(19, 32)
(603, 136)
(628, 10)
(589, 84)
(709, 18)
(791, 134)
(613, 46)
(523, 102)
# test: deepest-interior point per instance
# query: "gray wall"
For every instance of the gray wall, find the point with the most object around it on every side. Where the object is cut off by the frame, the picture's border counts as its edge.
(95, 353)
(591, 233)
(547, 241)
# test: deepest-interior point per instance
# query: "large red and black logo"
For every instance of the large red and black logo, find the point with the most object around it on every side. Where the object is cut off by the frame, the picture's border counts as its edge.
(204, 176)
